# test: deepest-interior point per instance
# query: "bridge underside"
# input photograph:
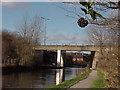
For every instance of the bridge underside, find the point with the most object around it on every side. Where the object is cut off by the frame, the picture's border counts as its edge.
(61, 49)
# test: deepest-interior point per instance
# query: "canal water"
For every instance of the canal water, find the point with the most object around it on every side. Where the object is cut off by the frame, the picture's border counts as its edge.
(39, 79)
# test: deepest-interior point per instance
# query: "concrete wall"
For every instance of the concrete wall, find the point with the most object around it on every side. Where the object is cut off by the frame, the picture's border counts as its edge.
(95, 59)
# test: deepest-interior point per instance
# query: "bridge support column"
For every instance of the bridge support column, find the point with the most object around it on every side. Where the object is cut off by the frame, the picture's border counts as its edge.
(60, 62)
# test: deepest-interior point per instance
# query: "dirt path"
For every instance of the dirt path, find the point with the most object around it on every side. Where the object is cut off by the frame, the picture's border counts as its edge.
(86, 83)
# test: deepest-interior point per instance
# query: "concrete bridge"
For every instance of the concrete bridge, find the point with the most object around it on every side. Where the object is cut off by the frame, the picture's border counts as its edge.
(61, 48)
(67, 47)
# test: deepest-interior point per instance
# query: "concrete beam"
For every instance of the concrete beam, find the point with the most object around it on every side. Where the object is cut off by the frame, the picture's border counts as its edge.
(79, 48)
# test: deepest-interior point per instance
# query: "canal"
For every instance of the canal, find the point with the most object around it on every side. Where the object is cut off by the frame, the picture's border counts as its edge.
(40, 78)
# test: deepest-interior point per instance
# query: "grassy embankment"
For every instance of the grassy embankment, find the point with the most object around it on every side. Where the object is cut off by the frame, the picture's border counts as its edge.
(99, 82)
(71, 82)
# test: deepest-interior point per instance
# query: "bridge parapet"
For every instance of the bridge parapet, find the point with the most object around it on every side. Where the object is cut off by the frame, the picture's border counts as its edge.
(69, 47)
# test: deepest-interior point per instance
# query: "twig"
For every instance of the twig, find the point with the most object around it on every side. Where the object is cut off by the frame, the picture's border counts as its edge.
(71, 16)
(70, 11)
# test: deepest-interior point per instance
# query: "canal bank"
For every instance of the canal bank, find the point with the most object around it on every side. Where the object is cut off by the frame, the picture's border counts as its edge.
(73, 81)
(87, 82)
(89, 79)
(100, 81)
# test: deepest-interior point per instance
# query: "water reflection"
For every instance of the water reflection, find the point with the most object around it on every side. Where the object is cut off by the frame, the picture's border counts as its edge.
(39, 79)
(59, 76)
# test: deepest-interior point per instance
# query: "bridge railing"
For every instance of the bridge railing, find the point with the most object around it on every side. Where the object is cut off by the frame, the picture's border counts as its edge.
(71, 45)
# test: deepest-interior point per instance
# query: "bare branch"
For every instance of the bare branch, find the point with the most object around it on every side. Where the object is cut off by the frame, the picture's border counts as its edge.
(71, 16)
(109, 5)
(73, 12)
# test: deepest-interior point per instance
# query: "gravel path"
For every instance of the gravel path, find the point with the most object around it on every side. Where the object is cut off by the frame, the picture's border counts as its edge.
(86, 83)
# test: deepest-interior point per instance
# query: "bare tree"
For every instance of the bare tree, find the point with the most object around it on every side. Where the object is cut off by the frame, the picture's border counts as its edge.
(9, 49)
(29, 34)
(98, 36)
(30, 29)
(106, 37)
(94, 9)
(35, 31)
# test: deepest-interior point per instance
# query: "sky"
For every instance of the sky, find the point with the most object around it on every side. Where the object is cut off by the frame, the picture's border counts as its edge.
(60, 29)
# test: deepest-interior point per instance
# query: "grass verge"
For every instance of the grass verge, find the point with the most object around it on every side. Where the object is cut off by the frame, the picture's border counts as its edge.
(99, 82)
(70, 82)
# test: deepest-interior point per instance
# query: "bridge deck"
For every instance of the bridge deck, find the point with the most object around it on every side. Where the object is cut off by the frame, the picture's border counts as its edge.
(62, 47)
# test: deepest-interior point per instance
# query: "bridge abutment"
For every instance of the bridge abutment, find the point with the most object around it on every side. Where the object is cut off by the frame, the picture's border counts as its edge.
(95, 60)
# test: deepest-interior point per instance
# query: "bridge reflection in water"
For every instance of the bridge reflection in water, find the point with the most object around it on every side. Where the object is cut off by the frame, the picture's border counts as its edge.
(39, 79)
(59, 76)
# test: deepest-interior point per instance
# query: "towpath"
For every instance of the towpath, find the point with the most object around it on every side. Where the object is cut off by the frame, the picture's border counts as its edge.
(86, 83)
